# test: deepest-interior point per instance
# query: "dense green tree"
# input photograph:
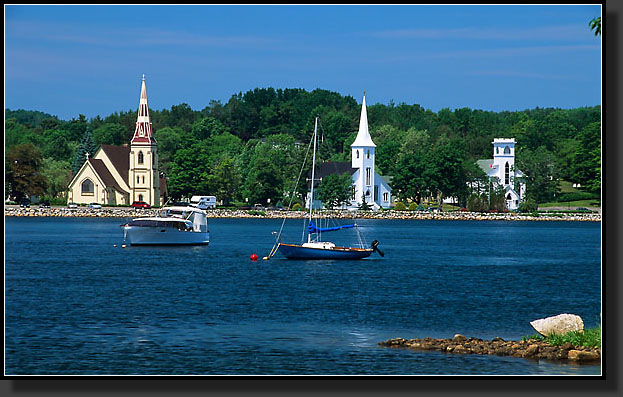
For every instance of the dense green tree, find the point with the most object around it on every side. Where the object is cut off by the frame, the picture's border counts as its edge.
(224, 181)
(57, 175)
(23, 163)
(170, 140)
(87, 148)
(265, 182)
(222, 146)
(189, 171)
(389, 140)
(587, 162)
(207, 127)
(76, 128)
(447, 175)
(110, 134)
(335, 190)
(15, 134)
(542, 175)
(57, 146)
(414, 169)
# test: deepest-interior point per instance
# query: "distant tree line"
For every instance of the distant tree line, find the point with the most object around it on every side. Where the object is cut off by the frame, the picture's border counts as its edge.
(250, 149)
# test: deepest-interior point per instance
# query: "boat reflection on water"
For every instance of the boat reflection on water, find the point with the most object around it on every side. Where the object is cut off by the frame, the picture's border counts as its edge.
(172, 226)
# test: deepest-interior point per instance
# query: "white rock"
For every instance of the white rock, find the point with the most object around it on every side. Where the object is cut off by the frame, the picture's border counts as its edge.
(559, 324)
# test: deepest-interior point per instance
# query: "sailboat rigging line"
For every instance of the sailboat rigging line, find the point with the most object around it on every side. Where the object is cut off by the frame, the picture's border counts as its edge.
(274, 249)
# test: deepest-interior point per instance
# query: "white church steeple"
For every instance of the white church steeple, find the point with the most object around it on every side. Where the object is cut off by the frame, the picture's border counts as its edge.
(362, 151)
(363, 136)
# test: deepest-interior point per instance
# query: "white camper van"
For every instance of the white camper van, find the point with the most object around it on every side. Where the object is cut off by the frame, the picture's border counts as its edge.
(203, 202)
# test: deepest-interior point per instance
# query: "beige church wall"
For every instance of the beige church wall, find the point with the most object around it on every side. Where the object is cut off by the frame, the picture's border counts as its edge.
(75, 191)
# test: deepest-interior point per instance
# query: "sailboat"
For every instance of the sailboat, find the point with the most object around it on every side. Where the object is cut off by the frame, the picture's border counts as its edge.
(315, 248)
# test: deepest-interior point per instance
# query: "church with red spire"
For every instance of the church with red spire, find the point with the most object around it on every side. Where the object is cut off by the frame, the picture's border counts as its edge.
(123, 174)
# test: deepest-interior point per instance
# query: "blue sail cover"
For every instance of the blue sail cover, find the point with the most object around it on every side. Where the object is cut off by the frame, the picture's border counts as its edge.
(311, 228)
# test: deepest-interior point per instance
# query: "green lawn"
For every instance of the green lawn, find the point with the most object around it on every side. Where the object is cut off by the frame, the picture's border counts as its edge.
(572, 204)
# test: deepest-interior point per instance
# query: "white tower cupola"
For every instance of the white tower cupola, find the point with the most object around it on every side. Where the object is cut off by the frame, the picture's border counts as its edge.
(504, 159)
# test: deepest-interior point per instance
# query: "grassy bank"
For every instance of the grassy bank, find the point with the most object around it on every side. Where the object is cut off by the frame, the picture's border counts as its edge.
(591, 337)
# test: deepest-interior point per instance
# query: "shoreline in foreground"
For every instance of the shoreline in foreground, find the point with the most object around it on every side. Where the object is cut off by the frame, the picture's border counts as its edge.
(127, 212)
(530, 348)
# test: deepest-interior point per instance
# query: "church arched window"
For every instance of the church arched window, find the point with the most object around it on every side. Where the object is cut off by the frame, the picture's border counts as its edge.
(140, 197)
(506, 174)
(140, 157)
(508, 197)
(497, 150)
(87, 186)
(507, 150)
(368, 153)
(357, 153)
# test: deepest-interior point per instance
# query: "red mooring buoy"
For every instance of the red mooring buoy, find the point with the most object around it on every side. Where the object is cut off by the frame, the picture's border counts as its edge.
(253, 257)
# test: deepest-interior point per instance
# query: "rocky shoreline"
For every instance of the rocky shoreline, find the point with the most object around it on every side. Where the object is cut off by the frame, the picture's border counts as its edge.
(126, 212)
(531, 348)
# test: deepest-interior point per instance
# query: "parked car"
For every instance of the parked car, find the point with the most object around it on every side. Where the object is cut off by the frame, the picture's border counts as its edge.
(72, 205)
(258, 207)
(140, 204)
(95, 206)
(25, 203)
(44, 204)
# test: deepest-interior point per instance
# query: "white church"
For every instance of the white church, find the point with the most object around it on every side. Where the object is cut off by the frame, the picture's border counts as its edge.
(367, 185)
(502, 169)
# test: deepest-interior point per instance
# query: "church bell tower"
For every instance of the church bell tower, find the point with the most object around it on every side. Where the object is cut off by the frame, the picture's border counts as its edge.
(144, 179)
(363, 158)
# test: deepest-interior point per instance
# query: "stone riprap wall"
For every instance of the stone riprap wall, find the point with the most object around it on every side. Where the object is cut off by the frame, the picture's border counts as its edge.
(126, 212)
(531, 348)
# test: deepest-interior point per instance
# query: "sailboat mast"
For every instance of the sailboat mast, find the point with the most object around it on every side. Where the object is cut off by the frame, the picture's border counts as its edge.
(311, 199)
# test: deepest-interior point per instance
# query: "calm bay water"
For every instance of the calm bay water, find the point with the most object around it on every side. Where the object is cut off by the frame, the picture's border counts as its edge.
(77, 305)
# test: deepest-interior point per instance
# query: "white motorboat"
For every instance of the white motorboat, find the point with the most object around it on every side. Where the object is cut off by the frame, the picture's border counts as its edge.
(171, 226)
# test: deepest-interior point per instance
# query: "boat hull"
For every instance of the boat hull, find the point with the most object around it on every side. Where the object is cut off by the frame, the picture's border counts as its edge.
(164, 236)
(293, 251)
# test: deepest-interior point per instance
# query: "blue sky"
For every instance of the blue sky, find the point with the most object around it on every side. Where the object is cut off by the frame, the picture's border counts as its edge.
(79, 59)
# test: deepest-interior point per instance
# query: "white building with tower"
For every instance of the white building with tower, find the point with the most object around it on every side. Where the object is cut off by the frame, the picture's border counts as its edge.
(502, 170)
(367, 185)
(123, 174)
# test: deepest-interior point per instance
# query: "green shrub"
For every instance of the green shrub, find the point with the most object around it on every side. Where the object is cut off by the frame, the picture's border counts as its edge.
(476, 203)
(576, 196)
(400, 206)
(296, 207)
(255, 212)
(528, 205)
(413, 206)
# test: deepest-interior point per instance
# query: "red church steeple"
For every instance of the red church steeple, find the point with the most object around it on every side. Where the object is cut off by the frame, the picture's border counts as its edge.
(143, 131)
